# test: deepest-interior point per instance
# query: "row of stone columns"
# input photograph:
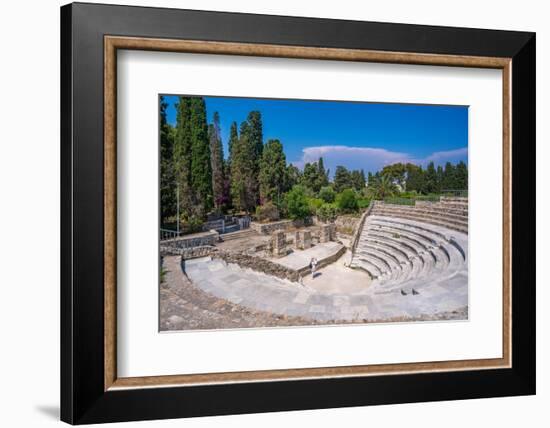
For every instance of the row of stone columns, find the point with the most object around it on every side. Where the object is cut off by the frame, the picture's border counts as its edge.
(302, 239)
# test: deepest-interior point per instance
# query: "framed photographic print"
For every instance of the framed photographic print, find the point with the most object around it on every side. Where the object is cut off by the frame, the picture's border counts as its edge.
(266, 213)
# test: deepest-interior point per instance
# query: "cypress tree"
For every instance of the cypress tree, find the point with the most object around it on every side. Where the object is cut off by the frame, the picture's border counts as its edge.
(272, 171)
(461, 176)
(182, 156)
(201, 170)
(167, 177)
(342, 179)
(322, 175)
(448, 182)
(430, 182)
(216, 161)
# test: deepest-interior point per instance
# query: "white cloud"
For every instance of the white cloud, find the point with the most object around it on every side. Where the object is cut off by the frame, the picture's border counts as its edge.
(371, 158)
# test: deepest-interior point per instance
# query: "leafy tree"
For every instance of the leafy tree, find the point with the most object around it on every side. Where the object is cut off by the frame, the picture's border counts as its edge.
(310, 177)
(216, 161)
(297, 203)
(272, 171)
(347, 201)
(440, 174)
(293, 177)
(327, 212)
(327, 194)
(397, 173)
(342, 179)
(201, 169)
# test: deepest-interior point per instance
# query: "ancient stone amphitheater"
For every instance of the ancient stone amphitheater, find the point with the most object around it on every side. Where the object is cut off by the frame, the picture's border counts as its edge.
(415, 248)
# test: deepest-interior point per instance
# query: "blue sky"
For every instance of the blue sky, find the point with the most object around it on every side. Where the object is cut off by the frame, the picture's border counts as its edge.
(356, 135)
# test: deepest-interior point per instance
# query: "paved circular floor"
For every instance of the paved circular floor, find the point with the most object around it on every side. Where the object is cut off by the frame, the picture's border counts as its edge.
(336, 293)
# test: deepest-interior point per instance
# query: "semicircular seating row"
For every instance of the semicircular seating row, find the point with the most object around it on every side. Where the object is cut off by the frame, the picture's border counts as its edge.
(395, 248)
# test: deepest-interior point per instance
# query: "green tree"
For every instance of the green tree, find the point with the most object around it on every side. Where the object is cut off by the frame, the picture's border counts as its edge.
(347, 201)
(461, 178)
(233, 138)
(272, 171)
(167, 176)
(182, 156)
(327, 194)
(310, 177)
(293, 177)
(244, 175)
(342, 179)
(297, 203)
(216, 161)
(414, 181)
(430, 179)
(397, 173)
(448, 182)
(201, 169)
(322, 175)
(382, 187)
(358, 180)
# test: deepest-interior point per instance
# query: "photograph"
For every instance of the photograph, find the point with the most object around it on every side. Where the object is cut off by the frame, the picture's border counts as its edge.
(290, 212)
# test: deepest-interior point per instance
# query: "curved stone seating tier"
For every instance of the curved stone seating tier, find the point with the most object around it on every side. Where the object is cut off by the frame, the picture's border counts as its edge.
(423, 212)
(438, 221)
(397, 251)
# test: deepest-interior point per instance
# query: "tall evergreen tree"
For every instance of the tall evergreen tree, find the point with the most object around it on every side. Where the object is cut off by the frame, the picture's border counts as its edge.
(358, 180)
(440, 175)
(233, 137)
(256, 135)
(430, 179)
(216, 161)
(182, 157)
(461, 177)
(322, 175)
(342, 179)
(448, 182)
(244, 171)
(414, 181)
(310, 177)
(167, 178)
(272, 172)
(201, 170)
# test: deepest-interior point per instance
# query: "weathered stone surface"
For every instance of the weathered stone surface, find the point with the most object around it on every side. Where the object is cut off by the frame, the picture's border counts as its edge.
(278, 244)
(327, 233)
(193, 240)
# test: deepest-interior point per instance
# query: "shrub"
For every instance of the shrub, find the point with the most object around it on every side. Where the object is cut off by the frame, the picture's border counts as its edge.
(327, 194)
(267, 212)
(314, 204)
(363, 203)
(327, 212)
(347, 201)
(297, 203)
(193, 224)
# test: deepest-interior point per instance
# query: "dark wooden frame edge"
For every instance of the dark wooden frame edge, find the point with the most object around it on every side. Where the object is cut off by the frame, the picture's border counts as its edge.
(83, 399)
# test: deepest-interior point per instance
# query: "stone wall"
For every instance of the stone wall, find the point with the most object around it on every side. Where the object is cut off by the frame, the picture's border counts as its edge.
(269, 228)
(327, 233)
(188, 253)
(193, 240)
(346, 224)
(258, 264)
(323, 262)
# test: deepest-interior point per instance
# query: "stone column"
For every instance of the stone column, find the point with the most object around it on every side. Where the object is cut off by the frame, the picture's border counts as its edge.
(325, 235)
(278, 243)
(306, 239)
(298, 243)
